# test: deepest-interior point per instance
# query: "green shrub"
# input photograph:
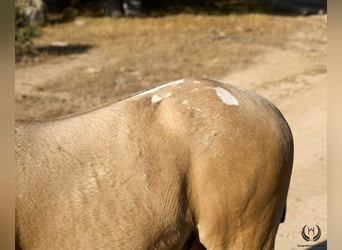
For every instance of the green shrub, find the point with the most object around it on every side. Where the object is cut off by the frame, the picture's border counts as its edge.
(24, 32)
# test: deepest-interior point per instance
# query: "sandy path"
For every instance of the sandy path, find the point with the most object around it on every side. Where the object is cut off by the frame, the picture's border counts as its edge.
(295, 79)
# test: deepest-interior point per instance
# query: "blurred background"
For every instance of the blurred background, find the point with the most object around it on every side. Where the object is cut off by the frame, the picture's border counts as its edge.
(80, 53)
(72, 55)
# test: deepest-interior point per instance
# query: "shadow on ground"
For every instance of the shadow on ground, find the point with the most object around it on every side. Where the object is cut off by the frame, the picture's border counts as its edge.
(63, 49)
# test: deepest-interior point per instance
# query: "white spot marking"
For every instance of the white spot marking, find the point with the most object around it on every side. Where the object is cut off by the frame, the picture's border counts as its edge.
(150, 91)
(168, 95)
(185, 102)
(226, 96)
(197, 82)
(156, 98)
(176, 82)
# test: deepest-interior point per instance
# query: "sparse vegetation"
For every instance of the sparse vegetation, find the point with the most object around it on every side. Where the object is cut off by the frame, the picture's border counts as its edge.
(24, 33)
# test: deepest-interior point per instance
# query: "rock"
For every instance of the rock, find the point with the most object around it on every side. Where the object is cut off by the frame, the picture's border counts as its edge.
(132, 7)
(119, 7)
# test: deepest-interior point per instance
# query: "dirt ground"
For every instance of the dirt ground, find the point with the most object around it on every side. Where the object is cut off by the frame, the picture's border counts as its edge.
(89, 61)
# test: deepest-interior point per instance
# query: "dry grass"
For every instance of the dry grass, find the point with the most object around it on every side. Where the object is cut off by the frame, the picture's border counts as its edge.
(132, 54)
